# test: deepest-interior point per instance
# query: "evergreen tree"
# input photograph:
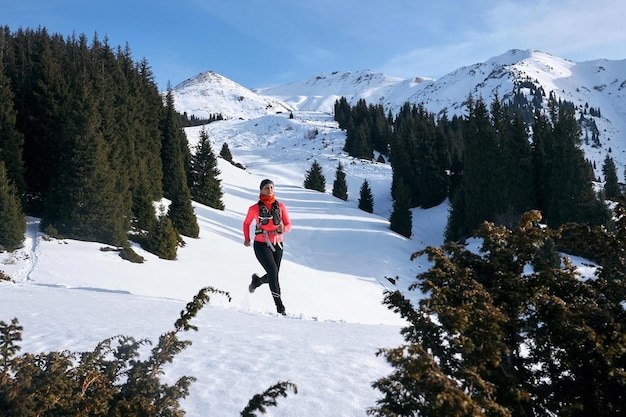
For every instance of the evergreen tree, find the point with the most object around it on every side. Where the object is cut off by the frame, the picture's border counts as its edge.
(42, 105)
(433, 161)
(205, 185)
(182, 215)
(314, 179)
(518, 192)
(482, 180)
(359, 140)
(225, 153)
(611, 184)
(342, 112)
(568, 176)
(366, 199)
(403, 153)
(173, 152)
(11, 140)
(401, 219)
(380, 130)
(12, 219)
(83, 202)
(163, 238)
(143, 209)
(494, 340)
(340, 187)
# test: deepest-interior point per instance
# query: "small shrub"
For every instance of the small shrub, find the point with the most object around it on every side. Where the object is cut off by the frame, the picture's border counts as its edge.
(111, 380)
(52, 231)
(4, 277)
(127, 253)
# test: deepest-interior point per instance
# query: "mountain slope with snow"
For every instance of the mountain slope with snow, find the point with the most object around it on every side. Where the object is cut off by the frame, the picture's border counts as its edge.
(71, 295)
(598, 84)
(209, 94)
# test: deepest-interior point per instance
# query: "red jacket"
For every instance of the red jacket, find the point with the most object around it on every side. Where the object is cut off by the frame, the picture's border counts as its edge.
(253, 214)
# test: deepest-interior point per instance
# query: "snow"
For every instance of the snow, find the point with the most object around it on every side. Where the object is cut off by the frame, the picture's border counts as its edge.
(71, 295)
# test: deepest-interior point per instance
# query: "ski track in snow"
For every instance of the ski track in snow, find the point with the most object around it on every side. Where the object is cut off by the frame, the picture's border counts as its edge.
(26, 257)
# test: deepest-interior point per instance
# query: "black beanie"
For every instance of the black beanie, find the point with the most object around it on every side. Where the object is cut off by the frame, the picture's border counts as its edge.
(265, 182)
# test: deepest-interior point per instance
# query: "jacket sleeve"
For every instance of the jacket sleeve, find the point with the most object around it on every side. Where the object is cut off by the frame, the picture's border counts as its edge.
(252, 214)
(285, 217)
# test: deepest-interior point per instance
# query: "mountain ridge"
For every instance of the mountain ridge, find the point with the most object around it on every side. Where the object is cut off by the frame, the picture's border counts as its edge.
(598, 84)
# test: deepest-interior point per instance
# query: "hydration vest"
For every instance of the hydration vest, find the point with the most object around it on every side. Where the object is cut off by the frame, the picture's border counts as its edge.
(266, 215)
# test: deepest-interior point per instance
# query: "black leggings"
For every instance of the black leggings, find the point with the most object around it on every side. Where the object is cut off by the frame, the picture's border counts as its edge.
(270, 261)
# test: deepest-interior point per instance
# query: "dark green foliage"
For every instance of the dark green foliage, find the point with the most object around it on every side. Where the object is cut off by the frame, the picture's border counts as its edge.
(268, 398)
(83, 203)
(12, 219)
(516, 190)
(11, 140)
(175, 154)
(112, 380)
(491, 337)
(314, 179)
(143, 210)
(611, 184)
(205, 183)
(130, 255)
(366, 199)
(419, 156)
(71, 98)
(182, 214)
(482, 180)
(501, 176)
(186, 121)
(342, 112)
(367, 128)
(401, 219)
(225, 153)
(340, 187)
(567, 193)
(163, 238)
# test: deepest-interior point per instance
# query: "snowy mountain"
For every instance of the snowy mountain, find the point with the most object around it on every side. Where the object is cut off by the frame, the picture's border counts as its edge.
(598, 84)
(209, 93)
(71, 295)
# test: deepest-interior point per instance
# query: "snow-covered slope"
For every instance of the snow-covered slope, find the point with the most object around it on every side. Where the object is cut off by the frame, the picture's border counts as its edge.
(209, 93)
(598, 84)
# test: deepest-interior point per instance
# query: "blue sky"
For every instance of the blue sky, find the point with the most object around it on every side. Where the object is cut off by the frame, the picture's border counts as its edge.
(272, 42)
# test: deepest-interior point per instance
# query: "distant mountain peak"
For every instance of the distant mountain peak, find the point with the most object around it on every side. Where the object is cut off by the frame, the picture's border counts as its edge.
(210, 93)
(598, 84)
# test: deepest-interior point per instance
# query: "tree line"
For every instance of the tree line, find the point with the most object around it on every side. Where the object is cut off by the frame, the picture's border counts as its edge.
(89, 143)
(492, 163)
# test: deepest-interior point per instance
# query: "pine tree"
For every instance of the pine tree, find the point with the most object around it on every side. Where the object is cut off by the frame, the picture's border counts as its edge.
(173, 152)
(143, 209)
(518, 191)
(12, 219)
(342, 112)
(481, 182)
(84, 202)
(163, 238)
(401, 219)
(568, 175)
(314, 179)
(182, 215)
(205, 185)
(366, 199)
(11, 140)
(225, 153)
(340, 187)
(535, 344)
(611, 184)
